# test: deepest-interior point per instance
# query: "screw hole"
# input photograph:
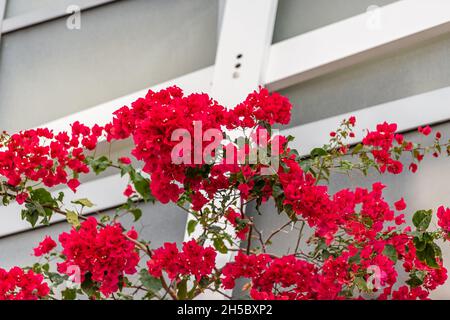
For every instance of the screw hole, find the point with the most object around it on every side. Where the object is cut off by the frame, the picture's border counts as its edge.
(236, 75)
(237, 66)
(239, 56)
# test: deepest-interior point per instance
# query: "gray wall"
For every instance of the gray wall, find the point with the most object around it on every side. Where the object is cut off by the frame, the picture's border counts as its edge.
(419, 69)
(295, 17)
(48, 71)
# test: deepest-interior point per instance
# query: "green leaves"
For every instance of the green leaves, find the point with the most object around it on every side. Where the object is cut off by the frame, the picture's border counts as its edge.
(100, 164)
(430, 254)
(191, 226)
(84, 202)
(390, 252)
(422, 219)
(182, 289)
(416, 278)
(150, 283)
(220, 246)
(318, 152)
(41, 205)
(72, 218)
(69, 294)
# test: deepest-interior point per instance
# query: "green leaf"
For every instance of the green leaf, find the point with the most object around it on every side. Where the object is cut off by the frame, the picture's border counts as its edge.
(422, 219)
(136, 212)
(356, 259)
(277, 190)
(191, 226)
(361, 283)
(357, 148)
(419, 244)
(390, 252)
(88, 286)
(84, 202)
(182, 289)
(32, 216)
(69, 294)
(142, 186)
(318, 152)
(220, 245)
(429, 255)
(151, 283)
(100, 164)
(56, 278)
(72, 218)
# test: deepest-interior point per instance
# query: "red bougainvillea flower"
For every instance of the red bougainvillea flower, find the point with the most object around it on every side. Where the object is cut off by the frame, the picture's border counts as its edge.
(17, 284)
(425, 131)
(47, 245)
(105, 253)
(40, 155)
(192, 260)
(443, 215)
(22, 197)
(125, 160)
(233, 217)
(400, 205)
(128, 191)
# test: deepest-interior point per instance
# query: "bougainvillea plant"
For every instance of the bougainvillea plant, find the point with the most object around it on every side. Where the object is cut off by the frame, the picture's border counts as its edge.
(358, 246)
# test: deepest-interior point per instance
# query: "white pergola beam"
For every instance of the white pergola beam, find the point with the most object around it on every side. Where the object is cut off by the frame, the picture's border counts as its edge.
(241, 60)
(244, 44)
(2, 15)
(352, 41)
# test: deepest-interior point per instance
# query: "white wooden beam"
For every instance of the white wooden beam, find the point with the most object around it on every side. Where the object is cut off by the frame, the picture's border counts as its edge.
(2, 15)
(351, 41)
(244, 43)
(241, 59)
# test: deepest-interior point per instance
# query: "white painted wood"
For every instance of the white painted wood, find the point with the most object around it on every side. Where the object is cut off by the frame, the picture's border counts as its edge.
(351, 41)
(409, 113)
(29, 19)
(2, 15)
(241, 59)
(244, 42)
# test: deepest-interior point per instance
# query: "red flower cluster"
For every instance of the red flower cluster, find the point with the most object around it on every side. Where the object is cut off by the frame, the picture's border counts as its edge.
(17, 284)
(444, 218)
(47, 245)
(151, 122)
(40, 155)
(106, 254)
(382, 142)
(260, 106)
(233, 217)
(287, 278)
(192, 260)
